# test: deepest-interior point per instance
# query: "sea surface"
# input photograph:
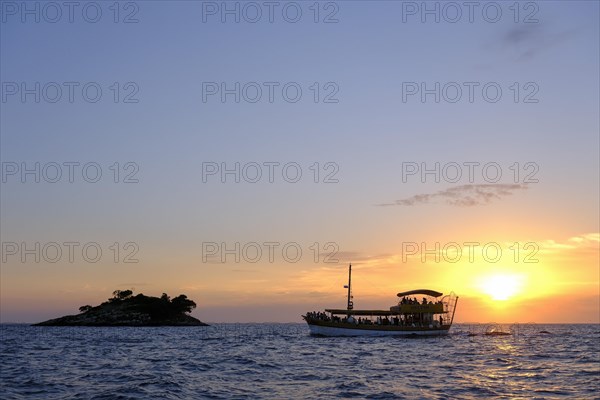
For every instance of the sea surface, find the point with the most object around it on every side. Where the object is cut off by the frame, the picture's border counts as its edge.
(281, 361)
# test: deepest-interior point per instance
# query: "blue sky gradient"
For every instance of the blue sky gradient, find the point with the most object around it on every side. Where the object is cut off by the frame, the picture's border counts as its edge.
(369, 133)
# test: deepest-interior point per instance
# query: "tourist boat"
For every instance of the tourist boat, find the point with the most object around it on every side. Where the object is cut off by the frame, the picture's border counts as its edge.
(430, 316)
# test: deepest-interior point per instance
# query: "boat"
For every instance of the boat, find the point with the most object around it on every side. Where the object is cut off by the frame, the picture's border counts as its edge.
(431, 316)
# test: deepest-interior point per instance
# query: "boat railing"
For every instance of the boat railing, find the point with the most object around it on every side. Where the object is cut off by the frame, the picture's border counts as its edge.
(449, 302)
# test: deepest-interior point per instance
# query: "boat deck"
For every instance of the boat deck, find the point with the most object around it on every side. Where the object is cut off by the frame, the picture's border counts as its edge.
(377, 327)
(328, 328)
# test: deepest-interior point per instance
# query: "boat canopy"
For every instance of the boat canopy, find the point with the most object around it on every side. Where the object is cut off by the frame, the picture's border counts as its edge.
(426, 292)
(360, 312)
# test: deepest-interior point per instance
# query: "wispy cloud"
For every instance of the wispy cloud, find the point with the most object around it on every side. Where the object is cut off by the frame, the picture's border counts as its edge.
(589, 241)
(527, 41)
(462, 196)
(357, 258)
(583, 244)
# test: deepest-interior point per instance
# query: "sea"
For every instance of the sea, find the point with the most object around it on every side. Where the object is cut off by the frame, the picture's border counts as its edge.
(282, 361)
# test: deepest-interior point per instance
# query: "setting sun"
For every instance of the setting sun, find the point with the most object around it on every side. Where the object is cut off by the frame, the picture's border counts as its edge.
(501, 286)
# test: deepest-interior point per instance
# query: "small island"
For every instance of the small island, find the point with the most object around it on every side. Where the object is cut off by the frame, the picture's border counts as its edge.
(125, 309)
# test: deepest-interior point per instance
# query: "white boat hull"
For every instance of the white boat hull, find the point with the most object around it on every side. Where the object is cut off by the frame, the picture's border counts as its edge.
(321, 330)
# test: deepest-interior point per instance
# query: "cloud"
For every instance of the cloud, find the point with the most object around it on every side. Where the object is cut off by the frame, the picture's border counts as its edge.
(527, 41)
(586, 242)
(356, 258)
(462, 196)
(342, 256)
(586, 238)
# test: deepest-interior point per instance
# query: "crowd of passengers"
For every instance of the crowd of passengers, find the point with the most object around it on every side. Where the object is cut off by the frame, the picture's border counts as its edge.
(403, 320)
(408, 300)
(318, 315)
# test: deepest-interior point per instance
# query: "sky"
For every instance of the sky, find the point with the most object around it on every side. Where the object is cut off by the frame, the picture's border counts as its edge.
(244, 153)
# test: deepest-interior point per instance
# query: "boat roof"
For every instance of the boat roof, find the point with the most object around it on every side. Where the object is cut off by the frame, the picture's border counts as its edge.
(360, 312)
(343, 311)
(426, 292)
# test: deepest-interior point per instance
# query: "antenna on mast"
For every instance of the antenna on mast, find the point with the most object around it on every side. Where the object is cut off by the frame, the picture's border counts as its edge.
(349, 287)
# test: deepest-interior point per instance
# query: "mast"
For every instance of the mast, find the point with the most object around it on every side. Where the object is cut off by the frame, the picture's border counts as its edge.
(350, 304)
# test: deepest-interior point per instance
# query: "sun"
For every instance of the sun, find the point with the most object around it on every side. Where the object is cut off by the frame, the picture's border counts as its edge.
(501, 286)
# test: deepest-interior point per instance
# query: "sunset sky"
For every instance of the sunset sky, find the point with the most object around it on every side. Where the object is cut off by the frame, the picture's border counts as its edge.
(368, 207)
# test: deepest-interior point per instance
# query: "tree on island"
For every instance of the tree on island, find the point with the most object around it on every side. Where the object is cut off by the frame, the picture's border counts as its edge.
(85, 308)
(182, 304)
(122, 294)
(157, 308)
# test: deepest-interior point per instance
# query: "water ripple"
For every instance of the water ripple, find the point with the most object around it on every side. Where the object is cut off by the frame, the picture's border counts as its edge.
(248, 361)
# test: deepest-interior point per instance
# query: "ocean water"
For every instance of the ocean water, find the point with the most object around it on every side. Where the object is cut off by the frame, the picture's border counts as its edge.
(249, 361)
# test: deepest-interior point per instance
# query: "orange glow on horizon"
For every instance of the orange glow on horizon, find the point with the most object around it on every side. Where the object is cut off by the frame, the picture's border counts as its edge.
(561, 287)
